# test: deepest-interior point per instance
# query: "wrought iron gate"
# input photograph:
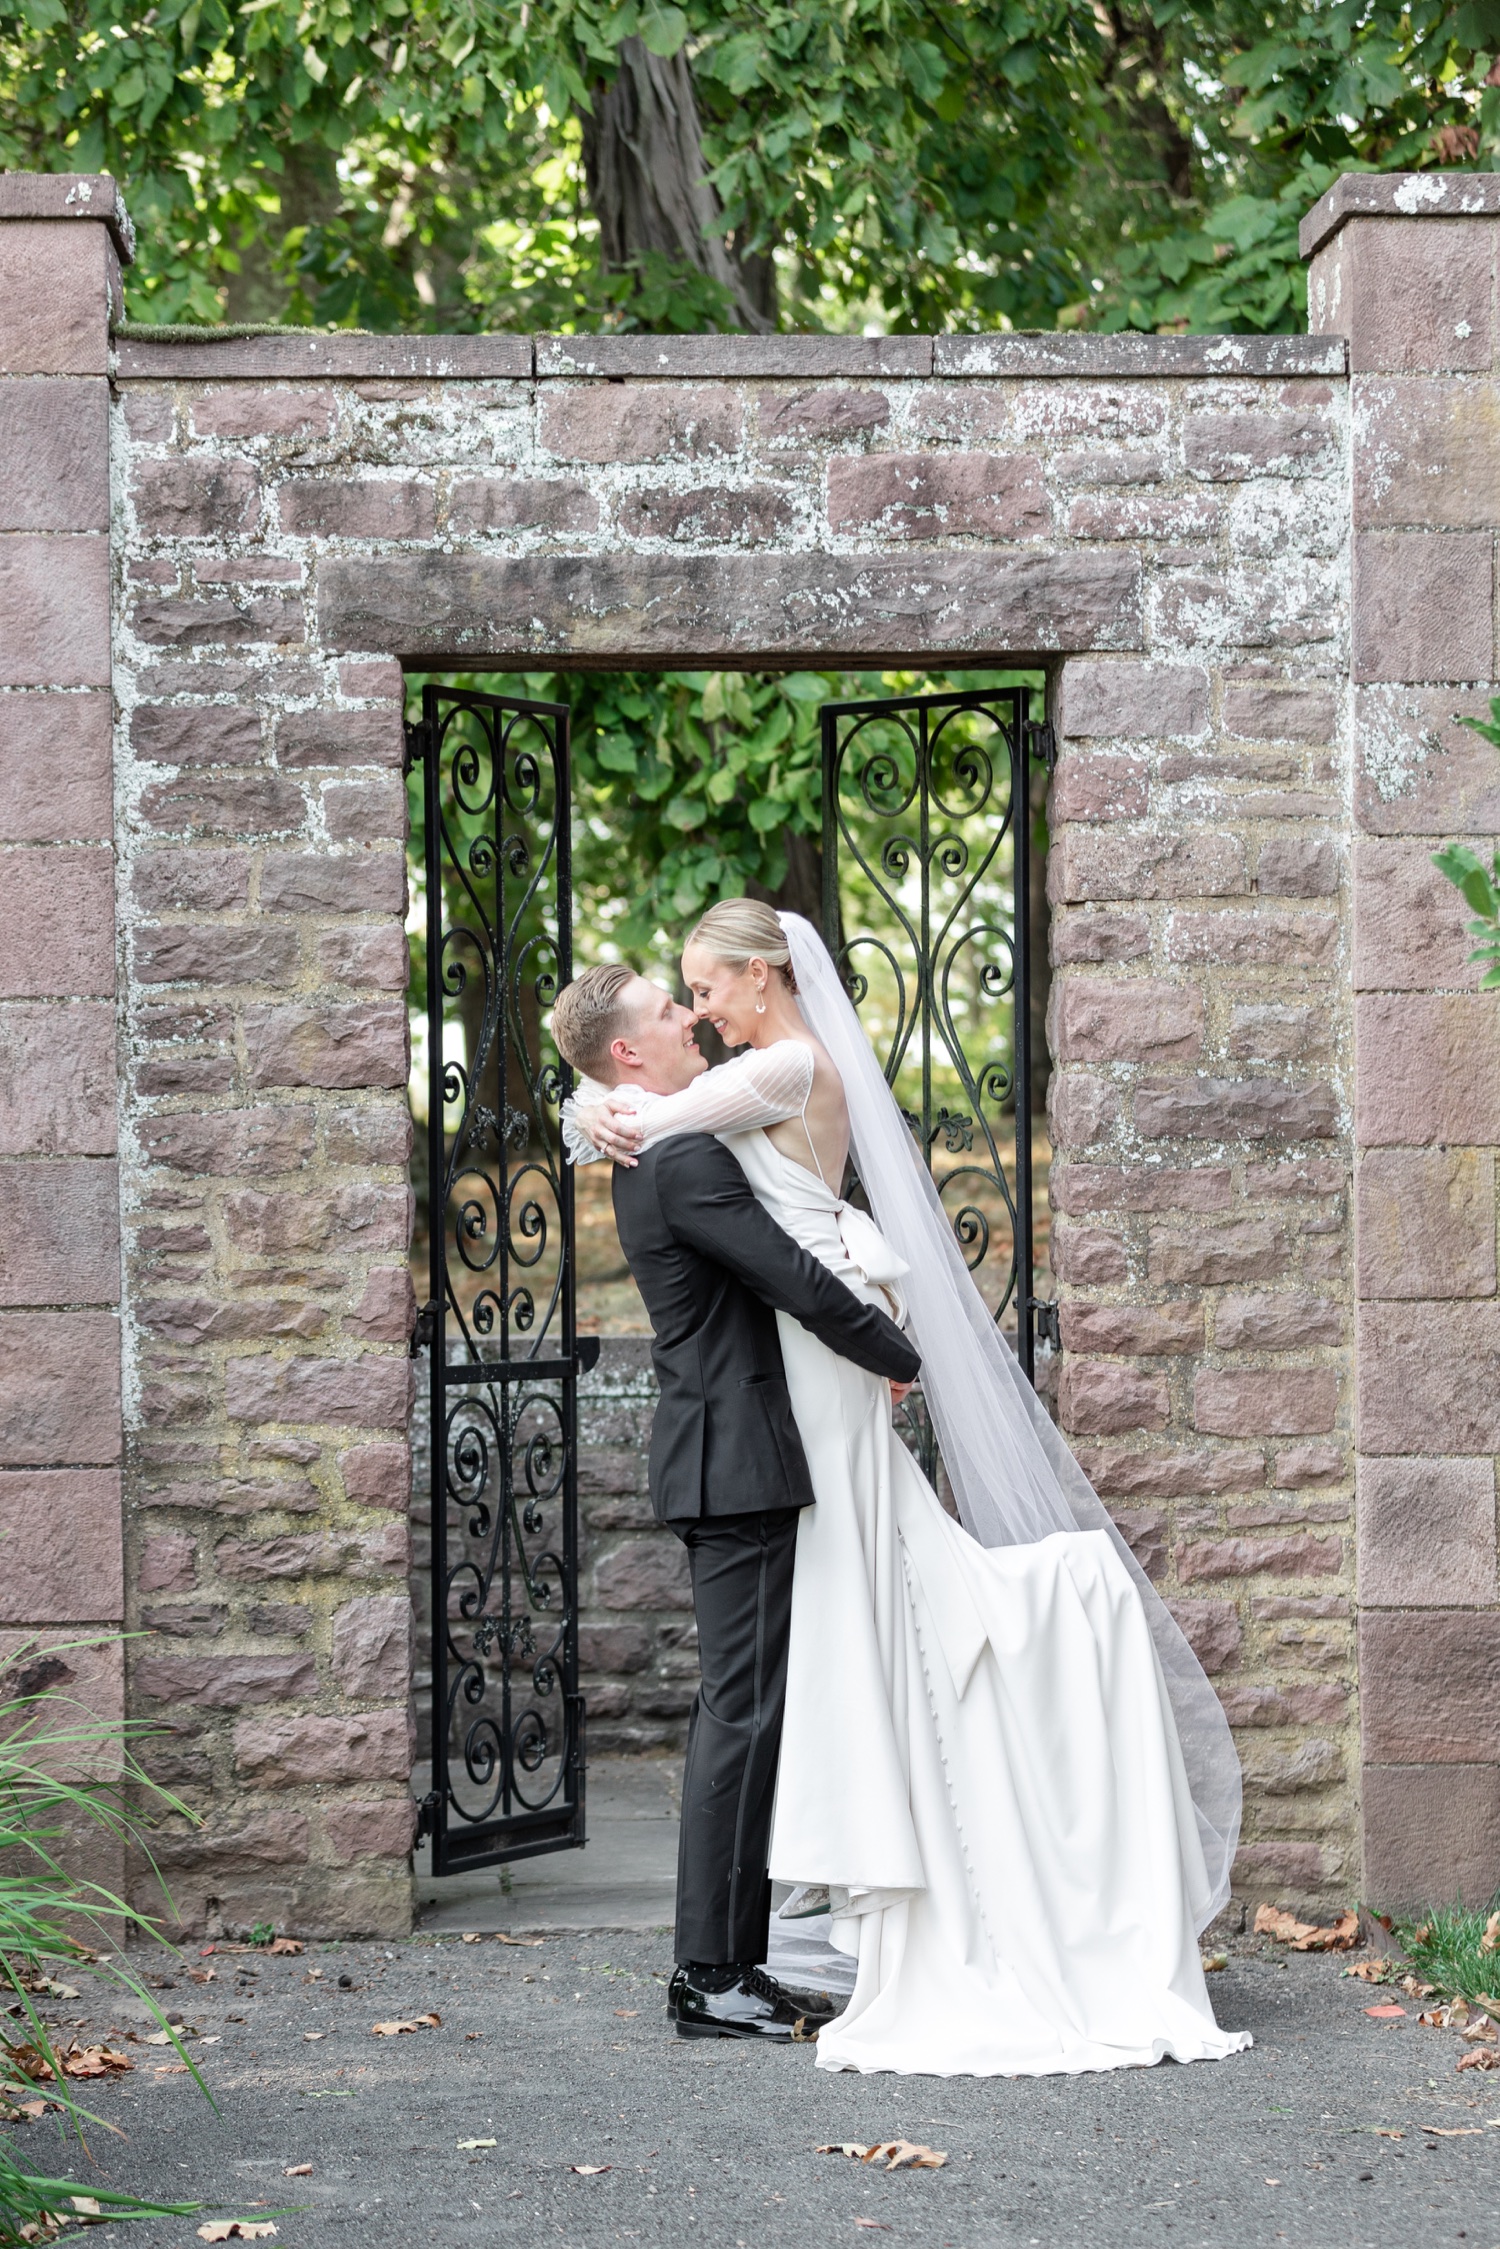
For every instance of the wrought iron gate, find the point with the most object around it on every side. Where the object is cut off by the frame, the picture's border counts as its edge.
(507, 1716)
(926, 875)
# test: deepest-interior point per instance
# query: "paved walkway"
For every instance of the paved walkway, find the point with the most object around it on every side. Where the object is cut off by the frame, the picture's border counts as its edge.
(557, 2052)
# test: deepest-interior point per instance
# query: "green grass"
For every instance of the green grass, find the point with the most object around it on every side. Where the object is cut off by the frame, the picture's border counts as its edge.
(1447, 1949)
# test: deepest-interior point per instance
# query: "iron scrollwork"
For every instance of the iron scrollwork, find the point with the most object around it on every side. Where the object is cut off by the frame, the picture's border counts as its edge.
(508, 1743)
(925, 872)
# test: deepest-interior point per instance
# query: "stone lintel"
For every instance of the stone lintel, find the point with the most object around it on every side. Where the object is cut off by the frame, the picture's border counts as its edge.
(69, 195)
(1398, 195)
(319, 353)
(1038, 353)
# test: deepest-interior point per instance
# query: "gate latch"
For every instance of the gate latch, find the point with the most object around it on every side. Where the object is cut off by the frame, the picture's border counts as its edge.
(424, 1334)
(427, 1812)
(1041, 737)
(1045, 1312)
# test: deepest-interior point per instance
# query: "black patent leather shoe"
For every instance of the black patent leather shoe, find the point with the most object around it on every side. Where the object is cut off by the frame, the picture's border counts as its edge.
(755, 2007)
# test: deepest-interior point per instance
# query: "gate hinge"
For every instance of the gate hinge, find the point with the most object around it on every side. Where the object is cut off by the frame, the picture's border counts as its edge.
(428, 1808)
(1046, 1314)
(424, 1332)
(1041, 740)
(586, 1351)
(416, 744)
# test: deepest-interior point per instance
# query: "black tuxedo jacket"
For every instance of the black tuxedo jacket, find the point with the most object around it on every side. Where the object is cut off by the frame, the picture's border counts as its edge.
(714, 1268)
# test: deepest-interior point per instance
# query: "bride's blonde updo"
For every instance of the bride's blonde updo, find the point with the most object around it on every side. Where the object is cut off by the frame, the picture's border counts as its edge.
(740, 930)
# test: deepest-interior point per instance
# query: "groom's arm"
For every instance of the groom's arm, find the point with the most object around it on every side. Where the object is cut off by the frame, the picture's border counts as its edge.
(706, 1201)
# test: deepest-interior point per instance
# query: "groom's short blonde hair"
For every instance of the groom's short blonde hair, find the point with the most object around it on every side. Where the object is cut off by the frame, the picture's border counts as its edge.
(590, 1015)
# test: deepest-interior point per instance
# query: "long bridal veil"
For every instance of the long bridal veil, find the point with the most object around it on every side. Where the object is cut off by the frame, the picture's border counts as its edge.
(1013, 1477)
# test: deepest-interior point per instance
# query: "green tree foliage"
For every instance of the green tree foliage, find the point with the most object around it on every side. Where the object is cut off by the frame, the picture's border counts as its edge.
(1478, 885)
(909, 164)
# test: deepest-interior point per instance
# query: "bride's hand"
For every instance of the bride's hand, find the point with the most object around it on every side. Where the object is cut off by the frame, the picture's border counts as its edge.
(614, 1127)
(900, 1392)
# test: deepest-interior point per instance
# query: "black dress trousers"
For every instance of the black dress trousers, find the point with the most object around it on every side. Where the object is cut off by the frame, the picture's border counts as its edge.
(742, 1597)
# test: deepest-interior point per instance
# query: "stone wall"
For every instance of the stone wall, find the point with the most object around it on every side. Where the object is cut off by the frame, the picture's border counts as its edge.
(1406, 269)
(1166, 523)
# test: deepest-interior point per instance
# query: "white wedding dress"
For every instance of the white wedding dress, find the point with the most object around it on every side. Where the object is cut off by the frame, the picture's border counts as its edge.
(978, 1757)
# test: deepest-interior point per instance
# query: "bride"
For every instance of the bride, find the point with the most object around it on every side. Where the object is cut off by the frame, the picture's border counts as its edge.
(1000, 1758)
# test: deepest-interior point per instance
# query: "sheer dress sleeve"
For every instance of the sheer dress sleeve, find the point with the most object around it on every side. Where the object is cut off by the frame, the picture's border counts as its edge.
(580, 1149)
(762, 1087)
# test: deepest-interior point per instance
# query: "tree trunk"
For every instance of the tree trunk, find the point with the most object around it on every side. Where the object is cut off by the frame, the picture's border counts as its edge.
(309, 194)
(643, 158)
(800, 890)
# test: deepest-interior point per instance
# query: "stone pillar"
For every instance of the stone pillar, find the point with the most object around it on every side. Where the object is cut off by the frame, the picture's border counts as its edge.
(61, 242)
(1405, 267)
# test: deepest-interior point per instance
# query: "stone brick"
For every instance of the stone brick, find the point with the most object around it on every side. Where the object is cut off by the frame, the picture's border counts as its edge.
(230, 1143)
(300, 1752)
(366, 811)
(226, 804)
(55, 780)
(192, 1320)
(639, 421)
(378, 1133)
(1234, 1108)
(1276, 1033)
(344, 882)
(1144, 515)
(186, 1620)
(1084, 866)
(269, 1840)
(1286, 1322)
(1088, 1187)
(1082, 1106)
(1431, 1831)
(1273, 710)
(378, 958)
(57, 919)
(1212, 1631)
(263, 410)
(387, 1309)
(47, 1414)
(1138, 700)
(1425, 1223)
(1098, 1398)
(1323, 1703)
(225, 623)
(61, 1540)
(364, 508)
(1086, 1257)
(1429, 1378)
(1420, 313)
(369, 737)
(1128, 1019)
(380, 1830)
(57, 1079)
(360, 1215)
(1417, 770)
(803, 415)
(54, 611)
(196, 496)
(54, 455)
(1302, 1556)
(1429, 1070)
(201, 881)
(1296, 1867)
(328, 1046)
(1141, 1331)
(1300, 1465)
(1229, 447)
(1269, 1401)
(224, 1682)
(645, 1573)
(1144, 1532)
(522, 503)
(939, 495)
(1410, 924)
(1299, 1176)
(1123, 465)
(369, 1393)
(1427, 1534)
(1254, 940)
(715, 514)
(213, 953)
(167, 1564)
(238, 1496)
(613, 1647)
(1098, 788)
(1430, 1687)
(59, 1232)
(1265, 607)
(1298, 866)
(378, 680)
(378, 1476)
(1245, 1249)
(1424, 605)
(372, 1647)
(54, 286)
(1177, 1473)
(357, 1554)
(1426, 455)
(1098, 937)
(196, 734)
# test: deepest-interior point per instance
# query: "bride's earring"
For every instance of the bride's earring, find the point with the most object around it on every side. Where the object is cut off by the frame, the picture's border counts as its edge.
(760, 1005)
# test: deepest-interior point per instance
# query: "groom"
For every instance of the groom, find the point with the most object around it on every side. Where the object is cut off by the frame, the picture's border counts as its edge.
(728, 1474)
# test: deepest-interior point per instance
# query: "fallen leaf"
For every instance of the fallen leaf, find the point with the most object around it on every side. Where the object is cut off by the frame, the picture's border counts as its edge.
(1369, 1971)
(874, 2225)
(86, 2206)
(201, 1975)
(463, 2144)
(1452, 2131)
(529, 1943)
(285, 1947)
(470, 1936)
(1384, 2014)
(1482, 2033)
(1416, 1990)
(1213, 1961)
(1273, 2182)
(33, 2108)
(236, 2229)
(315, 2034)
(95, 2061)
(625, 2013)
(1490, 1941)
(171, 2069)
(889, 2155)
(1307, 1936)
(417, 2022)
(1388, 2132)
(1480, 2057)
(297, 2171)
(1420, 1936)
(590, 2170)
